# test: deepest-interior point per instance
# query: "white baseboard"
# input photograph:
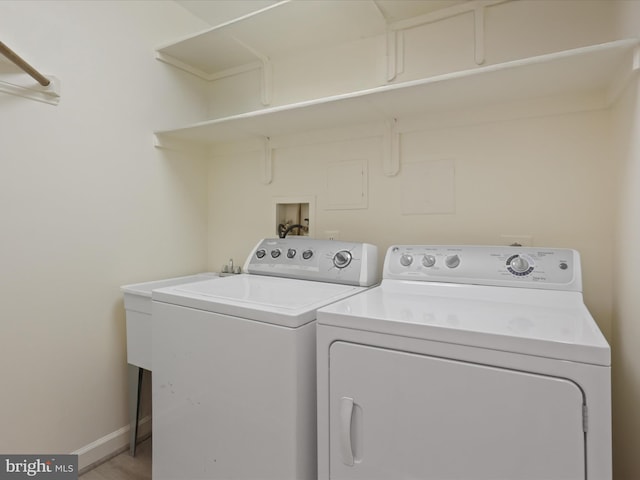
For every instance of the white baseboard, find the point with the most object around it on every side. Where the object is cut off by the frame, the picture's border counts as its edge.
(109, 445)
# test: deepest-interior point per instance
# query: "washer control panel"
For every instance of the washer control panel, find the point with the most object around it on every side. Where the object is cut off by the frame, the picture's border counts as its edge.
(531, 267)
(312, 259)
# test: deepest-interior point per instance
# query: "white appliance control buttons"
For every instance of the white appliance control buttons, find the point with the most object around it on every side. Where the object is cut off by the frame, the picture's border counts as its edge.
(342, 259)
(518, 265)
(303, 258)
(406, 260)
(452, 261)
(428, 261)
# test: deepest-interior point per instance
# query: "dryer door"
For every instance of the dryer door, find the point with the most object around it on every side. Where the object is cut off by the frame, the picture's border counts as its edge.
(397, 415)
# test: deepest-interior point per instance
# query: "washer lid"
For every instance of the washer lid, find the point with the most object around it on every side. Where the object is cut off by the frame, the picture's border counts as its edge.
(281, 301)
(551, 324)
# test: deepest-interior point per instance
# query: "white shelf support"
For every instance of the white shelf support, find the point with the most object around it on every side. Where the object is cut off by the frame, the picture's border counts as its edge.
(391, 147)
(478, 18)
(395, 54)
(267, 164)
(392, 53)
(169, 60)
(267, 72)
(266, 82)
(161, 142)
(174, 62)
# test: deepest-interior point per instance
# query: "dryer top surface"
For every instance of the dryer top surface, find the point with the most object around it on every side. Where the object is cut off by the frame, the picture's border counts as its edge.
(545, 323)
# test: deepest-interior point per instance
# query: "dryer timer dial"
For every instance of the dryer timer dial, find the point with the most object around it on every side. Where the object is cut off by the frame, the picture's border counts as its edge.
(519, 265)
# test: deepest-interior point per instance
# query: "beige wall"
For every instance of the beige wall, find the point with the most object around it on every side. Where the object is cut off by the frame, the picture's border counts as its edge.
(87, 204)
(626, 313)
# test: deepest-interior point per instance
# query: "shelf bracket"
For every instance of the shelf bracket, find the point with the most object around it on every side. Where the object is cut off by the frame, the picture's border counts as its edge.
(395, 53)
(267, 164)
(161, 142)
(266, 70)
(391, 148)
(392, 53)
(266, 82)
(478, 17)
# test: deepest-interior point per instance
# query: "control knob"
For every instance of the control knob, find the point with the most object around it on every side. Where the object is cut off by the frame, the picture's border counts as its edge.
(307, 254)
(428, 260)
(275, 253)
(342, 259)
(406, 260)
(291, 253)
(452, 261)
(261, 253)
(519, 264)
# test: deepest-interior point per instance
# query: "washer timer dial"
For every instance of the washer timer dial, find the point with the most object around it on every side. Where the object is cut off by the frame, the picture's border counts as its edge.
(342, 259)
(519, 265)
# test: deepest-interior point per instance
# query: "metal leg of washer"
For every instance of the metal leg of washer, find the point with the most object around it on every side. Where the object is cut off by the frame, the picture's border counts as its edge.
(135, 387)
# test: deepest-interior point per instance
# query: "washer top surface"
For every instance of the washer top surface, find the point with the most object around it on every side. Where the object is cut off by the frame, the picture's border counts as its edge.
(281, 301)
(550, 323)
(288, 280)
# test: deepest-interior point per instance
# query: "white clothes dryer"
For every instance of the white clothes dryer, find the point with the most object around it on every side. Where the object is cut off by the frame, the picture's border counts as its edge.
(467, 363)
(234, 386)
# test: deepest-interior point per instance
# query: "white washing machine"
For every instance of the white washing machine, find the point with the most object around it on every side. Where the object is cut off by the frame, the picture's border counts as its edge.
(466, 363)
(234, 385)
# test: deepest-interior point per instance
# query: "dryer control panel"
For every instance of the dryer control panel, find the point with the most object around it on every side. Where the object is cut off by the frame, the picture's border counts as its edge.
(350, 263)
(530, 267)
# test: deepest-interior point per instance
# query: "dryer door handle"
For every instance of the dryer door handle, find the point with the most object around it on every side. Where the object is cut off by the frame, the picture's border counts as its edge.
(346, 415)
